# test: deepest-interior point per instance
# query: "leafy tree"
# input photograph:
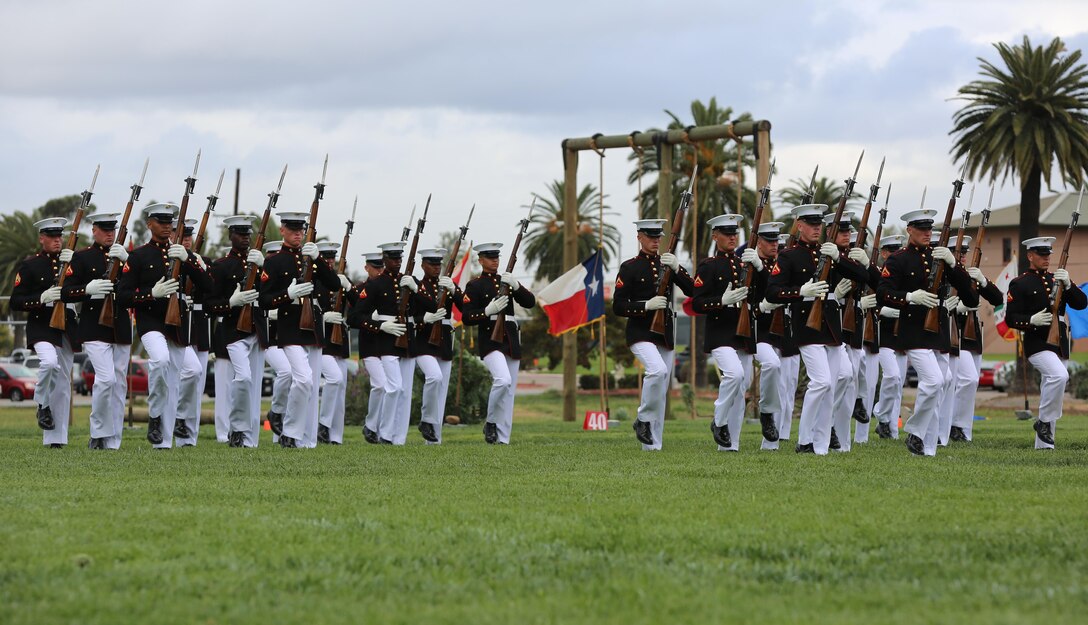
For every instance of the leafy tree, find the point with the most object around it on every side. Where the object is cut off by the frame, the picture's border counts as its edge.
(544, 239)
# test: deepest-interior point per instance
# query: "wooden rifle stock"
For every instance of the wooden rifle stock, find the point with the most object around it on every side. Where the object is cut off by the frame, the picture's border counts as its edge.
(245, 316)
(778, 317)
(1053, 337)
(969, 332)
(823, 265)
(933, 315)
(306, 318)
(337, 334)
(870, 315)
(173, 309)
(664, 285)
(744, 323)
(404, 292)
(849, 315)
(498, 332)
(58, 320)
(444, 296)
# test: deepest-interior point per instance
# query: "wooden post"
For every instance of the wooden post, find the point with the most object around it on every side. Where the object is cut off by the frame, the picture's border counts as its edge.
(664, 211)
(570, 259)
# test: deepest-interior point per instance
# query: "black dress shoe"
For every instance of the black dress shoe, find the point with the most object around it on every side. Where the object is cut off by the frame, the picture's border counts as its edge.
(322, 434)
(45, 418)
(957, 434)
(834, 440)
(384, 441)
(56, 445)
(154, 430)
(643, 432)
(859, 411)
(721, 435)
(491, 433)
(188, 445)
(181, 430)
(287, 442)
(1045, 432)
(770, 430)
(807, 448)
(237, 439)
(427, 430)
(370, 436)
(97, 443)
(915, 445)
(275, 421)
(883, 430)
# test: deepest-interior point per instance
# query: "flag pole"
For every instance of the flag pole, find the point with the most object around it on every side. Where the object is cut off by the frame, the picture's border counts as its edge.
(603, 364)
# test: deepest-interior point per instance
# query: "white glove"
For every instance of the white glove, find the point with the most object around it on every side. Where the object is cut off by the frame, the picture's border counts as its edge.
(766, 307)
(656, 302)
(66, 256)
(830, 250)
(446, 282)
(99, 287)
(1042, 318)
(496, 305)
(178, 252)
(50, 295)
(394, 328)
(119, 252)
(670, 260)
(923, 297)
(273, 314)
(732, 296)
(814, 289)
(434, 317)
(843, 288)
(509, 280)
(200, 262)
(859, 256)
(345, 282)
(962, 309)
(164, 288)
(751, 257)
(408, 282)
(310, 249)
(978, 276)
(889, 312)
(333, 317)
(944, 254)
(297, 291)
(255, 257)
(1062, 275)
(951, 302)
(241, 298)
(867, 302)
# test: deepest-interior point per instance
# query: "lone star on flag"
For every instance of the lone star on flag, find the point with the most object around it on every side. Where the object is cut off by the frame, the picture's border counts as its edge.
(594, 284)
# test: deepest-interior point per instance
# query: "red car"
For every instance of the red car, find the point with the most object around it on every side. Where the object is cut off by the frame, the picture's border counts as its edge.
(986, 373)
(16, 381)
(137, 376)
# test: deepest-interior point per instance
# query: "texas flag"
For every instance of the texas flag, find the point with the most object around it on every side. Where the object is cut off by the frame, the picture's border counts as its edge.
(576, 298)
(460, 277)
(1002, 283)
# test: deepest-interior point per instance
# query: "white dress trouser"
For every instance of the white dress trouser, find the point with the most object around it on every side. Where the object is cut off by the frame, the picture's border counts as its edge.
(791, 371)
(846, 391)
(963, 414)
(54, 387)
(387, 422)
(246, 360)
(404, 400)
(170, 377)
(657, 363)
(333, 395)
(923, 420)
(436, 383)
(893, 371)
(224, 374)
(110, 362)
(948, 399)
(770, 378)
(1051, 389)
(504, 381)
(189, 406)
(822, 365)
(281, 384)
(867, 373)
(729, 406)
(300, 418)
(379, 387)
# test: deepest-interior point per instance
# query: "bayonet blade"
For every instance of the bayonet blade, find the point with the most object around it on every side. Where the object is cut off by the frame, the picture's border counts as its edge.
(412, 217)
(970, 198)
(280, 185)
(196, 165)
(427, 207)
(923, 202)
(353, 207)
(1080, 199)
(470, 211)
(532, 207)
(325, 168)
(220, 185)
(770, 172)
(144, 172)
(95, 178)
(857, 168)
(990, 202)
(812, 183)
(887, 196)
(880, 174)
(963, 172)
(691, 184)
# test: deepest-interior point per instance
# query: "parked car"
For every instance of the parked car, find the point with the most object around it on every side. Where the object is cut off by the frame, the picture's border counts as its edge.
(16, 381)
(137, 376)
(20, 354)
(986, 373)
(267, 380)
(912, 377)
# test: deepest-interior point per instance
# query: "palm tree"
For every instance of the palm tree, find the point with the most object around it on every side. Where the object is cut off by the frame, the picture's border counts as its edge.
(544, 239)
(1021, 118)
(826, 191)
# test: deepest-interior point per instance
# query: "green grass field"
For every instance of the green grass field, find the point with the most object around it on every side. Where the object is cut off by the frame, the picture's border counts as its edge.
(563, 526)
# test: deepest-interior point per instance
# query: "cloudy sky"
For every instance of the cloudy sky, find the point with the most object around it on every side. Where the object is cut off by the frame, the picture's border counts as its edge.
(469, 100)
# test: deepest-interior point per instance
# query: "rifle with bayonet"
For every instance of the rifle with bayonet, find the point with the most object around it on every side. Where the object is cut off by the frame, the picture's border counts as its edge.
(955, 337)
(113, 268)
(1053, 337)
(969, 332)
(498, 333)
(402, 302)
(778, 318)
(173, 309)
(933, 315)
(443, 294)
(849, 315)
(198, 242)
(337, 334)
(921, 205)
(744, 324)
(664, 286)
(245, 316)
(823, 267)
(58, 321)
(871, 314)
(306, 318)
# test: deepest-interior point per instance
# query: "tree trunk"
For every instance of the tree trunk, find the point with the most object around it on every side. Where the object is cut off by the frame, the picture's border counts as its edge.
(1029, 212)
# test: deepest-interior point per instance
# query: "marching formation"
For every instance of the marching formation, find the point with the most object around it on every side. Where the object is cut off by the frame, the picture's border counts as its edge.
(817, 295)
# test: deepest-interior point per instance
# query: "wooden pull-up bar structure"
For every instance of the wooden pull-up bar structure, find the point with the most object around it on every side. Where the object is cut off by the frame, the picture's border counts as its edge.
(759, 130)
